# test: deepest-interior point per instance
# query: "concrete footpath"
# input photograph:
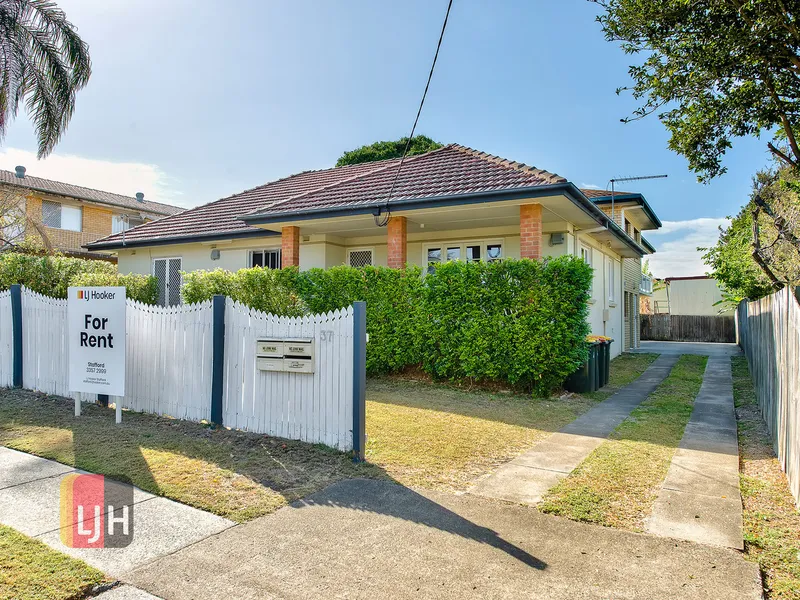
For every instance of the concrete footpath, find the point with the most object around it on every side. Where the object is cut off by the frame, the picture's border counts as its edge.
(30, 503)
(700, 499)
(526, 479)
(376, 539)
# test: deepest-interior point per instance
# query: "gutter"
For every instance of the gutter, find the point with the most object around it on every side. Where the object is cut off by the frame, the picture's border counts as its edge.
(177, 239)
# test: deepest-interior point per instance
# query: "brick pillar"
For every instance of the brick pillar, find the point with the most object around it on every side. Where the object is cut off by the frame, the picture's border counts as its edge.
(396, 231)
(290, 246)
(530, 231)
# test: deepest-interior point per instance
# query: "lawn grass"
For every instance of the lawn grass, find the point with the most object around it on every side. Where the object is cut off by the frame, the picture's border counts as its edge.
(30, 570)
(619, 481)
(438, 436)
(233, 474)
(420, 434)
(771, 521)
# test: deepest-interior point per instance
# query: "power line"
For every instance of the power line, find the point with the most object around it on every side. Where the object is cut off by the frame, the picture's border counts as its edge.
(385, 221)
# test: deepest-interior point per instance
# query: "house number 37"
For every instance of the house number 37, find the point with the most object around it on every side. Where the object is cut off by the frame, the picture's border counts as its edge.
(326, 335)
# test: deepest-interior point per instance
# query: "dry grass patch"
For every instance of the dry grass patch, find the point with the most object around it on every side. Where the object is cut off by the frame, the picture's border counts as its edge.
(771, 521)
(432, 435)
(233, 474)
(618, 483)
(30, 570)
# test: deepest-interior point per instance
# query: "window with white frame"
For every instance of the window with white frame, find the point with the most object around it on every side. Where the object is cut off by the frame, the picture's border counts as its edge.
(586, 255)
(359, 257)
(468, 251)
(270, 258)
(611, 281)
(62, 216)
(120, 223)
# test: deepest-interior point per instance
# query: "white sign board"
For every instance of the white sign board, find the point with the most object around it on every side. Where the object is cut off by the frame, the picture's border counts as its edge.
(96, 319)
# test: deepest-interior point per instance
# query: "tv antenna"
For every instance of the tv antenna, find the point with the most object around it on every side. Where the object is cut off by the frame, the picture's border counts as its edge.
(618, 179)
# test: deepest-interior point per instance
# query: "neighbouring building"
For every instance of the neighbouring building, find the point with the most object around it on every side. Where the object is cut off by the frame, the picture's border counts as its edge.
(697, 295)
(453, 203)
(73, 216)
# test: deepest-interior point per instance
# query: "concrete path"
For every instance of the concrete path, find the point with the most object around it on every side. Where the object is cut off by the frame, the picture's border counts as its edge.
(527, 478)
(700, 500)
(126, 592)
(29, 502)
(376, 539)
(706, 349)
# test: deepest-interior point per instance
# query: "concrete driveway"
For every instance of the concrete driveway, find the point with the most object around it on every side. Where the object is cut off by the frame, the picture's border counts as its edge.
(377, 539)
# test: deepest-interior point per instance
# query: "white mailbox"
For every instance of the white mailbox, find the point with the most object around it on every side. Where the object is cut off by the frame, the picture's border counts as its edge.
(294, 355)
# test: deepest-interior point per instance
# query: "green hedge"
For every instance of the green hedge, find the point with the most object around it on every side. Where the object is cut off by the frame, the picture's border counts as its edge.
(268, 290)
(517, 321)
(52, 275)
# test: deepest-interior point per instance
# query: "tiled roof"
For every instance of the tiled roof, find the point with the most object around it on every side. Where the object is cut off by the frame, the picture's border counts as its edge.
(450, 170)
(83, 193)
(592, 194)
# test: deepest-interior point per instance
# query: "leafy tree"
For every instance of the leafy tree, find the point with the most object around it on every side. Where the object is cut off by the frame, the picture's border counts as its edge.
(383, 150)
(44, 63)
(732, 258)
(713, 71)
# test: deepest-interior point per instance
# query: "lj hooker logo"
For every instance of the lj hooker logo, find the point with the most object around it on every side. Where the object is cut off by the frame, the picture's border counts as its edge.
(96, 512)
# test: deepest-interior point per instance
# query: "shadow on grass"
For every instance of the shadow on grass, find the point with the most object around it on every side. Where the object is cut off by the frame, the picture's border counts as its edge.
(234, 474)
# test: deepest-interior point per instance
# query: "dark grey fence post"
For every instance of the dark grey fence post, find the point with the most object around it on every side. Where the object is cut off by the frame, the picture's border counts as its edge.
(16, 325)
(218, 358)
(359, 379)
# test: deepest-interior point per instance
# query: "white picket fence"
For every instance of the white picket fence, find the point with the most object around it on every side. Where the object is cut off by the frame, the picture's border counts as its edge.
(169, 364)
(6, 341)
(168, 358)
(44, 345)
(314, 407)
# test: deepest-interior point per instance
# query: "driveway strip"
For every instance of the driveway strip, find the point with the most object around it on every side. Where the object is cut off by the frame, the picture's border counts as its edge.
(526, 479)
(700, 499)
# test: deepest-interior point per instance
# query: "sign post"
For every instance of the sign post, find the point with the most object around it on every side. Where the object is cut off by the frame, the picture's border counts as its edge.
(96, 323)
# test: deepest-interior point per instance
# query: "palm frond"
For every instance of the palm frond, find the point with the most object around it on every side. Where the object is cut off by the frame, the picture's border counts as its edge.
(44, 62)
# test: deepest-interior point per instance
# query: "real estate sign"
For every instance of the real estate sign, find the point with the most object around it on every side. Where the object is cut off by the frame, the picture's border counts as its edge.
(96, 323)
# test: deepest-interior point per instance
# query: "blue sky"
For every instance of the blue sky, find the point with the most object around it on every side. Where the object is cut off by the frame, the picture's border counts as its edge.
(194, 100)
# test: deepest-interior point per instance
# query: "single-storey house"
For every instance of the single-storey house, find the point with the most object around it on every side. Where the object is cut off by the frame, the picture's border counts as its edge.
(453, 203)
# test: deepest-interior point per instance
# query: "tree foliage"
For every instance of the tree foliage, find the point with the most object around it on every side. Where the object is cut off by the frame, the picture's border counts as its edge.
(731, 259)
(383, 150)
(713, 71)
(43, 63)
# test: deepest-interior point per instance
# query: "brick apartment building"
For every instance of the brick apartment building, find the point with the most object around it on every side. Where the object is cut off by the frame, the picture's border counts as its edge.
(73, 216)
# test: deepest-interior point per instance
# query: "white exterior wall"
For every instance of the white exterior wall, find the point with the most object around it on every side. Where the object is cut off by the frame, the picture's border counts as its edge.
(322, 251)
(694, 297)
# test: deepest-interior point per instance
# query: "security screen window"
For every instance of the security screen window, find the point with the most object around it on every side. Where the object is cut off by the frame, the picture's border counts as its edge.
(61, 216)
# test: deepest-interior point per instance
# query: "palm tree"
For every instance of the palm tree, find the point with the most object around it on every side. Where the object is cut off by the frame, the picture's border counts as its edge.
(44, 63)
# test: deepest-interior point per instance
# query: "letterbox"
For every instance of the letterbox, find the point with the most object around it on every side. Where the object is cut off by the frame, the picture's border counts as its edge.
(299, 347)
(269, 347)
(269, 363)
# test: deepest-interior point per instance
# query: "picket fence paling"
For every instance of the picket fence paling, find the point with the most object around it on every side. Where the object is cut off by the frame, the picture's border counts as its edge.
(769, 333)
(168, 360)
(6, 341)
(315, 407)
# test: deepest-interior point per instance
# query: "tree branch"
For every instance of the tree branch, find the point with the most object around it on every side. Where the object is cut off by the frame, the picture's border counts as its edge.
(782, 155)
(757, 253)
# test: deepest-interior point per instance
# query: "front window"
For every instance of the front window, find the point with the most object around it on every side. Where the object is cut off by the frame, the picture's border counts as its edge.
(62, 216)
(612, 286)
(360, 258)
(120, 223)
(468, 251)
(265, 258)
(586, 255)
